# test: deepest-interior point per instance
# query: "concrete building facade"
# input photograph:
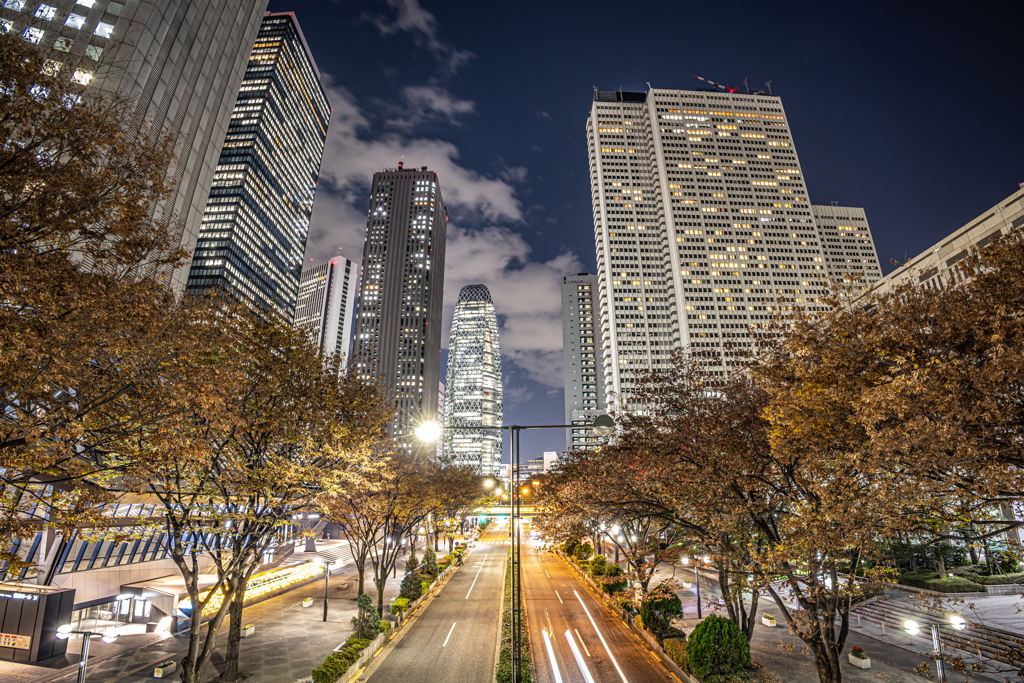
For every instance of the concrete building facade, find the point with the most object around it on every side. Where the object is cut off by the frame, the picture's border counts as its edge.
(398, 320)
(175, 59)
(702, 221)
(254, 229)
(937, 267)
(327, 306)
(581, 358)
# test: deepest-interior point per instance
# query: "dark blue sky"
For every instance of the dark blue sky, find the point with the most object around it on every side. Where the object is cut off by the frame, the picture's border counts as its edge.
(910, 110)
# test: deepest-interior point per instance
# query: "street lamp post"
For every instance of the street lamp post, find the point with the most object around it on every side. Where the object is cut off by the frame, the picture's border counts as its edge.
(603, 425)
(67, 630)
(326, 564)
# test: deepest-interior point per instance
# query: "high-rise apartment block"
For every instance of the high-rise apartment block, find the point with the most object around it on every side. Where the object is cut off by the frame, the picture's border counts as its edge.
(473, 389)
(256, 222)
(581, 359)
(398, 322)
(702, 221)
(937, 267)
(847, 246)
(173, 59)
(327, 306)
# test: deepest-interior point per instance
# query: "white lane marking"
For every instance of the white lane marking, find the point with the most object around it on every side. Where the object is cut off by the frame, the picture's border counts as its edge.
(551, 657)
(449, 634)
(559, 598)
(606, 648)
(579, 658)
(476, 577)
(546, 574)
(581, 642)
(550, 627)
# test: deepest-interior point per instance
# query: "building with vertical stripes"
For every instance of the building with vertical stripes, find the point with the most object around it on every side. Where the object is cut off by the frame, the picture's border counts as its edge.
(254, 230)
(581, 359)
(327, 306)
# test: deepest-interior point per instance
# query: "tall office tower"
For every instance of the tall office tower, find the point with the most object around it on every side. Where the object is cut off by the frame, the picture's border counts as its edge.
(174, 59)
(581, 351)
(701, 222)
(327, 305)
(937, 267)
(473, 391)
(398, 322)
(847, 245)
(440, 420)
(254, 230)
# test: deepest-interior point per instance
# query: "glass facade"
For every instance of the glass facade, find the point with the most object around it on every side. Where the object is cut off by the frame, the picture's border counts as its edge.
(256, 222)
(473, 393)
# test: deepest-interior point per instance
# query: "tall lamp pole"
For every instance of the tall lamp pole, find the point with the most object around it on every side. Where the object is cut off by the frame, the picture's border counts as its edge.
(67, 630)
(603, 425)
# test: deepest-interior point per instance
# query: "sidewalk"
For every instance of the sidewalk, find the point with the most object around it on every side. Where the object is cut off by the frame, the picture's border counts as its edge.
(785, 655)
(289, 642)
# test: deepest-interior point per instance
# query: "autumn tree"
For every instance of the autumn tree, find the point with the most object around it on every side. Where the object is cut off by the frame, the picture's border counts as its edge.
(83, 324)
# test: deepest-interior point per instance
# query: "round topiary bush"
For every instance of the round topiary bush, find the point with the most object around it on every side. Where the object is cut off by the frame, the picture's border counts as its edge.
(717, 646)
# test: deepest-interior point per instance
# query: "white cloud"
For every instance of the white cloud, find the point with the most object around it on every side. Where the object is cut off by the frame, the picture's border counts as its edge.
(409, 16)
(525, 291)
(526, 294)
(425, 104)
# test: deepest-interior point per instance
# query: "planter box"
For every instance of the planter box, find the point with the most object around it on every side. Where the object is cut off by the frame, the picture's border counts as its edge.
(768, 621)
(165, 671)
(308, 602)
(858, 662)
(248, 631)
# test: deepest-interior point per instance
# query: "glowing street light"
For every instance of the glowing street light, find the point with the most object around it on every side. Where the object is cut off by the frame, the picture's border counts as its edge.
(958, 622)
(428, 432)
(488, 483)
(911, 627)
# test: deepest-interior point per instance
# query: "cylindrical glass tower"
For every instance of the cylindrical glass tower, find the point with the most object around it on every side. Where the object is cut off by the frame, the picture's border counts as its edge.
(473, 386)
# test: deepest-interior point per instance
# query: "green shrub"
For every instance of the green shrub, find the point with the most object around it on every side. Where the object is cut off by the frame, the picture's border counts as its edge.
(583, 551)
(411, 562)
(738, 677)
(412, 586)
(430, 561)
(717, 646)
(385, 626)
(657, 609)
(675, 648)
(612, 571)
(337, 663)
(598, 565)
(569, 547)
(400, 605)
(365, 620)
(625, 603)
(931, 581)
(994, 580)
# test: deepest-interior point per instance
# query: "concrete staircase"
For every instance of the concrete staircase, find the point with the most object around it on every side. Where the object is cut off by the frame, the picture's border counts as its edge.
(984, 642)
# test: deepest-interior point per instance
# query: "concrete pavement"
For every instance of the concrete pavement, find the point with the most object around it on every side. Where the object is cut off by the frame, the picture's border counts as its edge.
(557, 601)
(454, 637)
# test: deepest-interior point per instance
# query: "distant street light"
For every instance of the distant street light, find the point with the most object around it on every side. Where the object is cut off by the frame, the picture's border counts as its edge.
(488, 483)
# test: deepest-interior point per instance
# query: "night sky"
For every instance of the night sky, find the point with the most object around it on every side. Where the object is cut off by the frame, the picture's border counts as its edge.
(910, 110)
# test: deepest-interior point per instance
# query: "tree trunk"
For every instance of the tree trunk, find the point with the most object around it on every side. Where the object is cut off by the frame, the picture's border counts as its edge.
(231, 672)
(940, 563)
(826, 661)
(361, 571)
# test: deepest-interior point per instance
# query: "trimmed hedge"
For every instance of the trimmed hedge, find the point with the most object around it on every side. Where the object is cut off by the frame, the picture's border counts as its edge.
(503, 671)
(717, 646)
(337, 663)
(995, 580)
(931, 581)
(612, 571)
(400, 605)
(675, 648)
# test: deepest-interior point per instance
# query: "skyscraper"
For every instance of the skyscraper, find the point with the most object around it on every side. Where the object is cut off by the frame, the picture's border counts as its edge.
(327, 305)
(398, 321)
(701, 221)
(473, 392)
(581, 353)
(174, 58)
(254, 230)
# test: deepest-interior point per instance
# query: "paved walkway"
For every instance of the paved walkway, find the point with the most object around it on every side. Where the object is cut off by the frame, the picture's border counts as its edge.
(785, 654)
(289, 641)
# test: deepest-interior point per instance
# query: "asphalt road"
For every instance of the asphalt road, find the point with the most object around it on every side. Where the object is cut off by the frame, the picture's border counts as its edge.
(454, 638)
(557, 602)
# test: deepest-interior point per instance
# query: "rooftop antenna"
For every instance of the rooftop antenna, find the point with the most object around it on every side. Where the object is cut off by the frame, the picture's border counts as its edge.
(726, 88)
(401, 162)
(649, 86)
(769, 86)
